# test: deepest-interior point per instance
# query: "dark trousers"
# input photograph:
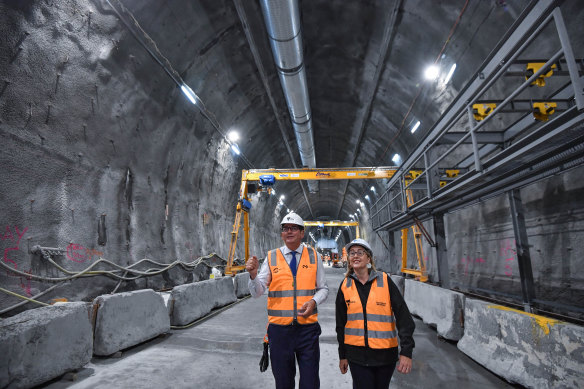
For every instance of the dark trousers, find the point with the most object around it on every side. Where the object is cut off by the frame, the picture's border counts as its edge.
(292, 343)
(371, 377)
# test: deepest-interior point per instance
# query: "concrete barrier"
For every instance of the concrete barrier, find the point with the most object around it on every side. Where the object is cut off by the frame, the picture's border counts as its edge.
(527, 349)
(190, 302)
(44, 343)
(437, 307)
(240, 282)
(399, 281)
(127, 319)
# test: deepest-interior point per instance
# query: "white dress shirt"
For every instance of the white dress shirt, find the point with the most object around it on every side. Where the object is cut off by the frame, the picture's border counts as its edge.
(258, 285)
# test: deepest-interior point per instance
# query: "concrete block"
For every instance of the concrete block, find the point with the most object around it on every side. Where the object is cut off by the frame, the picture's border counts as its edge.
(527, 349)
(127, 319)
(437, 307)
(400, 282)
(193, 301)
(240, 282)
(41, 344)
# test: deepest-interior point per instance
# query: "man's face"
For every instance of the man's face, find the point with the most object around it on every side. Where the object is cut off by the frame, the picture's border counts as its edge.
(292, 235)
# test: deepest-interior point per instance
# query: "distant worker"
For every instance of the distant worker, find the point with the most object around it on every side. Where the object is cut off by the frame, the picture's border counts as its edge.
(369, 307)
(297, 286)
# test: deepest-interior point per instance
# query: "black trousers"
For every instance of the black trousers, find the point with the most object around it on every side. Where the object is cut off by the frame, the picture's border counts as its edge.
(292, 343)
(371, 377)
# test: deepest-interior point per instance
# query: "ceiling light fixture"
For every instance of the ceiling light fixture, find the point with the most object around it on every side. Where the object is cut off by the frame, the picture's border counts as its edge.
(396, 159)
(189, 93)
(431, 72)
(415, 127)
(235, 149)
(233, 136)
(450, 73)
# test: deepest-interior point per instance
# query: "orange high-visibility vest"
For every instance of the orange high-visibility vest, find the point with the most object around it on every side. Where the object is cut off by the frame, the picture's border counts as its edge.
(287, 293)
(378, 322)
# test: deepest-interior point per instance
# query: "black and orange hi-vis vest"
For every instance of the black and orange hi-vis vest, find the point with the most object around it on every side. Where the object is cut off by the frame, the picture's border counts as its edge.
(287, 293)
(377, 323)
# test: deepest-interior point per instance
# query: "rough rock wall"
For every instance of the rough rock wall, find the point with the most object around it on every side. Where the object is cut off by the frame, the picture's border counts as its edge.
(102, 155)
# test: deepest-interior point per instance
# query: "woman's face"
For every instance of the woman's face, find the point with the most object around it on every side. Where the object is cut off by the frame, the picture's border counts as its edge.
(358, 257)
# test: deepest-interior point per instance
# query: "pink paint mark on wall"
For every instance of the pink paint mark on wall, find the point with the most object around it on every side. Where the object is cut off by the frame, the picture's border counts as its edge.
(15, 239)
(467, 260)
(508, 252)
(78, 253)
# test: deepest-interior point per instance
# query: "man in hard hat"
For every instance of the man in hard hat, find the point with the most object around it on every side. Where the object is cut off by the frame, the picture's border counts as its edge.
(297, 285)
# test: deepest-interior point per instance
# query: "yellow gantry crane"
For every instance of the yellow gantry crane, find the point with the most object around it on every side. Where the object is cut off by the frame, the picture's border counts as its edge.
(268, 177)
(333, 223)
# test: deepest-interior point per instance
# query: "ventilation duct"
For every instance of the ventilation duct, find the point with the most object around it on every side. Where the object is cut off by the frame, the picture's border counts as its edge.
(282, 18)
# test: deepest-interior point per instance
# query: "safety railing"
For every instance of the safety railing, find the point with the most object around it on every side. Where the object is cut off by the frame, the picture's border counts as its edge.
(482, 147)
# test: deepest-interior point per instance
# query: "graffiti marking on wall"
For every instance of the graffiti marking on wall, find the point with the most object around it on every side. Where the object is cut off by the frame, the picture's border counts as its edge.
(466, 261)
(80, 254)
(508, 253)
(15, 239)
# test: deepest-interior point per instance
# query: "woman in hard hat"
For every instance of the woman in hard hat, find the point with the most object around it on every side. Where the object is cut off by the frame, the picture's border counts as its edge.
(371, 313)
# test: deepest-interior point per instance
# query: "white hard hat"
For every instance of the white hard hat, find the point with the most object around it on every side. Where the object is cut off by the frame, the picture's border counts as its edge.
(359, 242)
(293, 218)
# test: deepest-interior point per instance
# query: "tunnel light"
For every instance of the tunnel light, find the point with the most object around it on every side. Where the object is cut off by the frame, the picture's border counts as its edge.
(415, 127)
(189, 93)
(396, 159)
(288, 210)
(372, 189)
(358, 201)
(235, 149)
(233, 136)
(367, 197)
(282, 197)
(274, 192)
(431, 72)
(450, 73)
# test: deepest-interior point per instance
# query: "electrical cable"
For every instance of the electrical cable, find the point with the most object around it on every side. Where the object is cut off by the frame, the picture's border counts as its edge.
(23, 297)
(87, 272)
(187, 266)
(33, 298)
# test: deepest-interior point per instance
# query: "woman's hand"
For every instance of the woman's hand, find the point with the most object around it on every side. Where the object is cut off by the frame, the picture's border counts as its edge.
(344, 365)
(404, 365)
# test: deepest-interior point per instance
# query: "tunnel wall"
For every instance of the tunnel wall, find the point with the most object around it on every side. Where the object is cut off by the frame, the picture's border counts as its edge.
(481, 245)
(102, 156)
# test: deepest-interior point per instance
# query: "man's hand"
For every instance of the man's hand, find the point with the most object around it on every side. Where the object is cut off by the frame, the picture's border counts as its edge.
(404, 364)
(251, 266)
(307, 308)
(344, 365)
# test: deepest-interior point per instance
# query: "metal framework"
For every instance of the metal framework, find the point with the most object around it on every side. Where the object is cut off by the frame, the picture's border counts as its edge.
(294, 175)
(333, 223)
(492, 160)
(496, 145)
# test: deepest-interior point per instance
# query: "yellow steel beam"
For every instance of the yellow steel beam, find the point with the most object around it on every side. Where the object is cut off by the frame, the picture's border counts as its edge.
(321, 174)
(334, 223)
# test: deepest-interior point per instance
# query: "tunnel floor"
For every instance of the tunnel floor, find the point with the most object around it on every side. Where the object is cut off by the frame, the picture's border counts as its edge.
(224, 352)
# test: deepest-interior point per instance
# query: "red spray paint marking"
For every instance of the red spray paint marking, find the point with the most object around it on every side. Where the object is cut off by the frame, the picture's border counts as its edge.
(508, 251)
(8, 235)
(80, 254)
(466, 261)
